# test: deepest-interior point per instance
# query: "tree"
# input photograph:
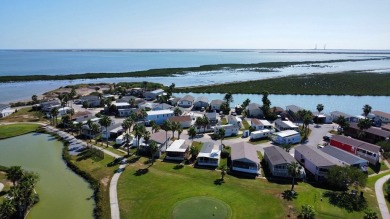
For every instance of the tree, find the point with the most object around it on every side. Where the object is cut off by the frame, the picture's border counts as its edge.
(225, 108)
(366, 110)
(14, 174)
(142, 114)
(223, 172)
(106, 121)
(95, 129)
(342, 177)
(79, 126)
(294, 170)
(146, 137)
(177, 111)
(245, 103)
(194, 152)
(266, 104)
(179, 131)
(363, 125)
(343, 123)
(307, 212)
(370, 214)
(34, 98)
(166, 126)
(320, 107)
(89, 123)
(228, 98)
(127, 137)
(205, 122)
(192, 132)
(174, 127)
(132, 102)
(199, 122)
(127, 124)
(65, 119)
(286, 147)
(307, 120)
(7, 209)
(155, 128)
(221, 134)
(85, 104)
(153, 150)
(139, 132)
(54, 114)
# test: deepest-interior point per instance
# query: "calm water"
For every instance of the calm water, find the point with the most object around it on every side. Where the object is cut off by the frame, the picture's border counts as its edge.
(62, 193)
(348, 104)
(21, 62)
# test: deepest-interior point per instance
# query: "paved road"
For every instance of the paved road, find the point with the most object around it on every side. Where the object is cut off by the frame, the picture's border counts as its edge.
(114, 205)
(380, 196)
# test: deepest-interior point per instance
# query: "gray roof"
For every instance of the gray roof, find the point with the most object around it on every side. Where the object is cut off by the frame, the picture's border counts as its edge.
(343, 155)
(89, 97)
(50, 102)
(355, 143)
(253, 106)
(125, 99)
(188, 98)
(372, 130)
(317, 157)
(203, 99)
(243, 150)
(277, 155)
(216, 102)
(207, 147)
(338, 113)
(293, 108)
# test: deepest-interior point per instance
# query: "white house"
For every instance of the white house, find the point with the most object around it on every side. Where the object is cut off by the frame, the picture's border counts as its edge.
(315, 161)
(336, 114)
(177, 150)
(155, 106)
(258, 124)
(287, 137)
(209, 155)
(159, 116)
(153, 94)
(253, 110)
(381, 116)
(186, 101)
(5, 110)
(47, 106)
(212, 117)
(61, 111)
(216, 105)
(201, 102)
(236, 121)
(264, 133)
(230, 130)
(282, 125)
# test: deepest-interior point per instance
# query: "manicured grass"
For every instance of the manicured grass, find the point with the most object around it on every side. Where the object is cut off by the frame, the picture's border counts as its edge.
(201, 207)
(371, 169)
(25, 115)
(224, 121)
(245, 124)
(142, 187)
(260, 141)
(99, 170)
(348, 83)
(109, 148)
(12, 130)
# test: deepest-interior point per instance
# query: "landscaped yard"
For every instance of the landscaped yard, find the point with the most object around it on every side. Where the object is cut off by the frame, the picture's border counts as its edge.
(153, 192)
(12, 130)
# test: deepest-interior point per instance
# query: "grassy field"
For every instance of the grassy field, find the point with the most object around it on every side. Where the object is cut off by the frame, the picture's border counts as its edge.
(98, 169)
(12, 130)
(348, 83)
(142, 188)
(256, 67)
(25, 115)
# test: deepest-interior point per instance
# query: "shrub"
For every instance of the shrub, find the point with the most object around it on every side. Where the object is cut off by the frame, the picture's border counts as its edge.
(225, 153)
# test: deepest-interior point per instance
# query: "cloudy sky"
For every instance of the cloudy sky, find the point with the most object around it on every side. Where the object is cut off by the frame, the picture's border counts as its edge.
(248, 24)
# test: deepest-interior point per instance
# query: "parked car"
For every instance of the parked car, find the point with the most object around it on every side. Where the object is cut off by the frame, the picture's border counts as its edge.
(326, 138)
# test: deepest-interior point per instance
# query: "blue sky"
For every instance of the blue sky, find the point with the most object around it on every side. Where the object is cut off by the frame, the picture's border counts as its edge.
(248, 24)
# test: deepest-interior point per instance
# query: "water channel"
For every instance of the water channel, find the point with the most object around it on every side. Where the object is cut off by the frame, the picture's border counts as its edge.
(62, 193)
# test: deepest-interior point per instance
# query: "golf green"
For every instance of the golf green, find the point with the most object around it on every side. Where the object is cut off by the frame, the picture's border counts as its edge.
(201, 207)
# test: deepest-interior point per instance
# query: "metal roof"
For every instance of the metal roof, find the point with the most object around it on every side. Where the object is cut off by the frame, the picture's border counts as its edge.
(277, 155)
(243, 150)
(355, 143)
(343, 155)
(317, 157)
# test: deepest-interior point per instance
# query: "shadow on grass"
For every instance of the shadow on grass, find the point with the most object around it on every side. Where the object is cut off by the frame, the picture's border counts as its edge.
(241, 175)
(219, 182)
(289, 195)
(134, 159)
(376, 168)
(178, 166)
(349, 201)
(141, 172)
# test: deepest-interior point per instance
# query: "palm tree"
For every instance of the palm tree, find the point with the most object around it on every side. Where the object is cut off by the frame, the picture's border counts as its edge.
(155, 128)
(153, 150)
(89, 123)
(139, 132)
(146, 137)
(228, 98)
(132, 102)
(85, 105)
(65, 119)
(179, 131)
(105, 121)
(95, 129)
(177, 111)
(343, 123)
(199, 122)
(223, 172)
(266, 104)
(245, 103)
(166, 126)
(126, 124)
(127, 137)
(294, 170)
(366, 110)
(205, 122)
(79, 126)
(14, 174)
(34, 98)
(363, 124)
(320, 107)
(54, 114)
(192, 132)
(194, 152)
(174, 127)
(306, 121)
(142, 114)
(307, 212)
(7, 209)
(221, 134)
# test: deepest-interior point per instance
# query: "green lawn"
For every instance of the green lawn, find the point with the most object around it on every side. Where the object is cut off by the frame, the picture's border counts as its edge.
(25, 115)
(99, 170)
(260, 141)
(141, 190)
(245, 124)
(7, 131)
(374, 170)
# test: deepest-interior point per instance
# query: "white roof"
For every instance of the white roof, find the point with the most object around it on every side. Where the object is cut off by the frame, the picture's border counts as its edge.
(120, 137)
(286, 133)
(122, 104)
(261, 131)
(177, 146)
(159, 112)
(289, 123)
(265, 122)
(215, 153)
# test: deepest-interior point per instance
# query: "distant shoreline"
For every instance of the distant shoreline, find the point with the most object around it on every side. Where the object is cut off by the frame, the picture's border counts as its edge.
(165, 72)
